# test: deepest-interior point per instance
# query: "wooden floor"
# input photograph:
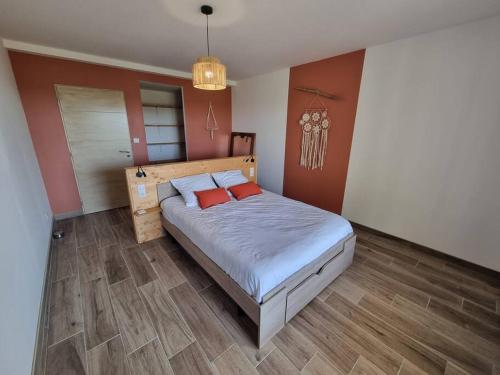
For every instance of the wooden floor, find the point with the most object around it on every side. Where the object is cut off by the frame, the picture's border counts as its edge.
(119, 308)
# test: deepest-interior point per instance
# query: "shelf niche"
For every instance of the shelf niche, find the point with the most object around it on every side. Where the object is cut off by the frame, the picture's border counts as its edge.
(162, 108)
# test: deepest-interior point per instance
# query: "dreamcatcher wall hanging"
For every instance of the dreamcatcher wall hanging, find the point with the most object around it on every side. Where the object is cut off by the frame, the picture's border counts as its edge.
(211, 126)
(314, 123)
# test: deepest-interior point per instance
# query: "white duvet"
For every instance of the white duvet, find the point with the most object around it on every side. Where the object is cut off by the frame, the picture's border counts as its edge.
(261, 240)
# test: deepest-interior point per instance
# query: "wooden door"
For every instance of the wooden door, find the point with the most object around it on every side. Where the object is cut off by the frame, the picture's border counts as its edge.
(96, 126)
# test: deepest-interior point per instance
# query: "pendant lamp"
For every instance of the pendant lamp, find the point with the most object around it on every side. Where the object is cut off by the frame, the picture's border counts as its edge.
(208, 72)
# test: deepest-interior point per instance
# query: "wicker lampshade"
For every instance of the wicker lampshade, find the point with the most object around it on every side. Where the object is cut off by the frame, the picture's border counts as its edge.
(209, 73)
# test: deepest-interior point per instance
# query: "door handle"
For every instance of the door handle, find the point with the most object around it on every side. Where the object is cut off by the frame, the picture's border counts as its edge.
(124, 152)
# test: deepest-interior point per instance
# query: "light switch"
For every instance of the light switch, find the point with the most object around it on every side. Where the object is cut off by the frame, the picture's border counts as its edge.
(252, 171)
(136, 140)
(141, 190)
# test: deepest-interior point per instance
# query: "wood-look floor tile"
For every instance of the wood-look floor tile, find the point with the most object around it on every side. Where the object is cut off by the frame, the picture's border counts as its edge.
(150, 360)
(319, 365)
(191, 361)
(464, 356)
(387, 251)
(385, 281)
(89, 263)
(203, 323)
(484, 315)
(458, 331)
(195, 275)
(168, 243)
(368, 253)
(347, 289)
(100, 219)
(460, 335)
(452, 369)
(480, 297)
(104, 235)
(114, 265)
(369, 285)
(108, 359)
(125, 234)
(126, 215)
(67, 357)
(409, 368)
(240, 328)
(164, 266)
(172, 331)
(63, 260)
(425, 358)
(361, 341)
(139, 266)
(233, 361)
(114, 217)
(298, 349)
(338, 352)
(84, 231)
(65, 314)
(459, 278)
(98, 316)
(365, 367)
(400, 274)
(402, 248)
(481, 275)
(358, 258)
(131, 314)
(277, 364)
(68, 227)
(465, 321)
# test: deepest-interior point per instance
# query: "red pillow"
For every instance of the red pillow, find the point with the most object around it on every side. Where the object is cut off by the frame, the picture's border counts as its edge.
(212, 197)
(245, 190)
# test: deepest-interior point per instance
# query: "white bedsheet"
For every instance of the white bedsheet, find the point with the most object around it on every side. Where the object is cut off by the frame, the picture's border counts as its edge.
(261, 240)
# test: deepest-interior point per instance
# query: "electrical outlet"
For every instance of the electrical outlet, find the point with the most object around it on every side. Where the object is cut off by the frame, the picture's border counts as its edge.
(252, 171)
(136, 140)
(141, 190)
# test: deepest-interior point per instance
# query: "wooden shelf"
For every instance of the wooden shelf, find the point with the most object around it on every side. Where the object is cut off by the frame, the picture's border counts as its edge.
(166, 126)
(161, 106)
(165, 143)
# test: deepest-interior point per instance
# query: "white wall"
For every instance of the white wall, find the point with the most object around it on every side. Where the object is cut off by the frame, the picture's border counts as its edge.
(25, 225)
(259, 105)
(425, 159)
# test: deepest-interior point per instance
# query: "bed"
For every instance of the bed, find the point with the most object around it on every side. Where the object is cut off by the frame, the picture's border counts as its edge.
(271, 254)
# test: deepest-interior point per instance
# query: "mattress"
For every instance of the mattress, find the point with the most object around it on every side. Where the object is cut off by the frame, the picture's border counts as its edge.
(259, 241)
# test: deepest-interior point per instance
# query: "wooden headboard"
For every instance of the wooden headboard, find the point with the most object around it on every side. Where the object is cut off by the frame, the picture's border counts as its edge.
(147, 223)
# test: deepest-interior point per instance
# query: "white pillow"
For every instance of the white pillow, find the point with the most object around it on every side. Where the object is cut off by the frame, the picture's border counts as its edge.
(229, 178)
(189, 184)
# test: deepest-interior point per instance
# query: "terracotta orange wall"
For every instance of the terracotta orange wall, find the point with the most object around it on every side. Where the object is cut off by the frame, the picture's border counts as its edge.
(36, 76)
(340, 75)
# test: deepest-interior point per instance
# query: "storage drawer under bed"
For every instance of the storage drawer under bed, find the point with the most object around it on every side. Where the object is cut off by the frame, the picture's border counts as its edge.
(312, 285)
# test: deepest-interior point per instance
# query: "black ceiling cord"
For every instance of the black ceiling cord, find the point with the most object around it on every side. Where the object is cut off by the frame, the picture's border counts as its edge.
(140, 172)
(207, 10)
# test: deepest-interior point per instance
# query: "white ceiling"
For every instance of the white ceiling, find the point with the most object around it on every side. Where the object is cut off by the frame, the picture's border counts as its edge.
(251, 37)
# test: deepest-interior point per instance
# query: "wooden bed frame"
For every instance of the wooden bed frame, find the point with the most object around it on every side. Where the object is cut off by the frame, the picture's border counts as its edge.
(280, 304)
